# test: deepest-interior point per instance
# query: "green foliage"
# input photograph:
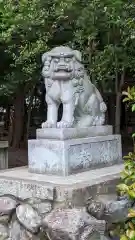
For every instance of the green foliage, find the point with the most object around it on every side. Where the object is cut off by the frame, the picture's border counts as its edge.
(130, 97)
(103, 30)
(128, 177)
(26, 27)
(106, 34)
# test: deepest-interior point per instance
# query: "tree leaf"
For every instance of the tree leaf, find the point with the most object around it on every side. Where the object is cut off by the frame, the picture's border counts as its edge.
(128, 90)
(130, 234)
(131, 225)
(133, 107)
(123, 237)
(131, 193)
(130, 96)
(133, 221)
(133, 135)
(122, 187)
(126, 99)
(123, 175)
(126, 157)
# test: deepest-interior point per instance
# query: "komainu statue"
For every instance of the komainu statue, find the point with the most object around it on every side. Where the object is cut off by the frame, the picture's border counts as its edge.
(67, 82)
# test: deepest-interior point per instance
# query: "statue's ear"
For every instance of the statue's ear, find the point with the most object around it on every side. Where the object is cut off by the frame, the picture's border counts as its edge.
(78, 55)
(44, 56)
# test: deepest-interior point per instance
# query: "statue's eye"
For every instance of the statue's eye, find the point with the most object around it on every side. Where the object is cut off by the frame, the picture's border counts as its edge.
(56, 60)
(80, 69)
(67, 60)
(49, 58)
(47, 63)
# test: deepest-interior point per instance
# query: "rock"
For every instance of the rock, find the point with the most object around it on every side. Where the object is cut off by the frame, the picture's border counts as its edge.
(72, 224)
(110, 210)
(4, 234)
(43, 208)
(33, 201)
(31, 236)
(96, 208)
(7, 204)
(17, 232)
(116, 211)
(28, 217)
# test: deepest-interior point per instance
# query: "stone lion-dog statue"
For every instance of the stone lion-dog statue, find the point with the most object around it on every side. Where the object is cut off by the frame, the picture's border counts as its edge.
(67, 82)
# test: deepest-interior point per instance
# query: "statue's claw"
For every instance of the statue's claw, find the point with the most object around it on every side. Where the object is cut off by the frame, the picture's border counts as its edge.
(103, 107)
(48, 124)
(64, 124)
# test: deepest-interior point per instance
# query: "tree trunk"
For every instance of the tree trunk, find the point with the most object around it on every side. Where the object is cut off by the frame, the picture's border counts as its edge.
(18, 118)
(29, 112)
(10, 128)
(23, 140)
(118, 104)
(118, 113)
(7, 117)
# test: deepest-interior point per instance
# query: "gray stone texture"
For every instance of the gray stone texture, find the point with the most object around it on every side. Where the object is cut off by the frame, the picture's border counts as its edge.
(7, 205)
(109, 208)
(67, 82)
(71, 190)
(73, 224)
(25, 189)
(28, 217)
(65, 157)
(18, 232)
(25, 223)
(73, 133)
(71, 193)
(3, 232)
(42, 206)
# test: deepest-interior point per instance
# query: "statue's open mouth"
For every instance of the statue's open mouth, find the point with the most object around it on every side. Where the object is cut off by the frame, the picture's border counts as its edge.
(61, 75)
(63, 68)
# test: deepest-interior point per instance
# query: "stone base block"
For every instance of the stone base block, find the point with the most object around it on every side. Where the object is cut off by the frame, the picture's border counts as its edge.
(71, 190)
(66, 157)
(73, 133)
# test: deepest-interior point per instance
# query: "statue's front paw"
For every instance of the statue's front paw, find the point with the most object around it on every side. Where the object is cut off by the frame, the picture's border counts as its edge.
(48, 124)
(64, 124)
(103, 107)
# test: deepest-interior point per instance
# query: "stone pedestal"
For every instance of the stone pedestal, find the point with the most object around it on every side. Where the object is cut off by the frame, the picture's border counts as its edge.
(71, 190)
(73, 133)
(31, 200)
(67, 151)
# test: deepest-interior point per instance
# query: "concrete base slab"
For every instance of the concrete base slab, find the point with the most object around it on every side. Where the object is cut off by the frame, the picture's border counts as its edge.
(66, 157)
(73, 133)
(74, 189)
